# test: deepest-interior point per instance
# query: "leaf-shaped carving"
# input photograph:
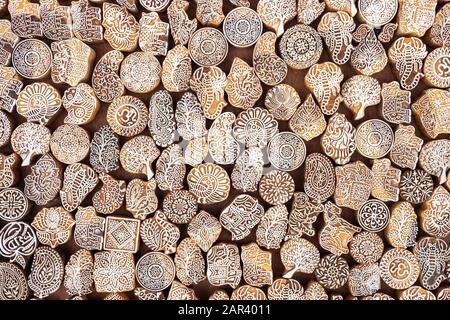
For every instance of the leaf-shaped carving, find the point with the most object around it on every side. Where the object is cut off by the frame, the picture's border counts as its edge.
(248, 170)
(308, 121)
(402, 229)
(104, 156)
(189, 262)
(369, 56)
(170, 168)
(7, 164)
(47, 271)
(272, 228)
(105, 78)
(159, 234)
(177, 69)
(141, 198)
(78, 278)
(222, 146)
(191, 122)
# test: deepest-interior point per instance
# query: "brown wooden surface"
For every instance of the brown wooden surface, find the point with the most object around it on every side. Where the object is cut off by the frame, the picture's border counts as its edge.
(296, 79)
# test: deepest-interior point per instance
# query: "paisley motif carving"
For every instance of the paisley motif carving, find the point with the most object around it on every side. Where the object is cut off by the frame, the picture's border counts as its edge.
(319, 180)
(161, 121)
(105, 78)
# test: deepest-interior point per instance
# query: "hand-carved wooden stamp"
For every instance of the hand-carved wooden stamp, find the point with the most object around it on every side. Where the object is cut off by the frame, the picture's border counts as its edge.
(153, 34)
(436, 68)
(241, 216)
(286, 151)
(248, 170)
(121, 234)
(105, 78)
(159, 234)
(89, 228)
(208, 47)
(353, 185)
(242, 27)
(314, 291)
(373, 215)
(377, 13)
(247, 292)
(5, 128)
(396, 102)
(179, 291)
(319, 182)
(104, 154)
(191, 122)
(78, 278)
(140, 72)
(110, 197)
(81, 104)
(433, 216)
(360, 92)
(434, 158)
(224, 267)
(276, 187)
(338, 141)
(405, 151)
(70, 143)
(10, 87)
(14, 285)
(274, 14)
(170, 168)
(272, 229)
(189, 262)
(364, 279)
(138, 154)
(209, 12)
(309, 10)
(181, 27)
(222, 146)
(38, 102)
(121, 27)
(154, 5)
(127, 116)
(431, 111)
(44, 182)
(299, 255)
(386, 180)
(32, 59)
(374, 138)
(303, 214)
(7, 169)
(285, 289)
(415, 17)
(161, 122)
(79, 181)
(13, 204)
(177, 69)
(369, 56)
(114, 271)
(180, 206)
(72, 61)
(332, 272)
(86, 21)
(301, 46)
(25, 18)
(307, 121)
(255, 127)
(17, 241)
(243, 87)
(47, 272)
(416, 186)
(140, 198)
(256, 265)
(204, 229)
(407, 54)
(269, 67)
(209, 85)
(209, 183)
(399, 268)
(324, 81)
(8, 40)
(439, 34)
(282, 101)
(366, 247)
(336, 29)
(53, 226)
(402, 229)
(30, 139)
(56, 20)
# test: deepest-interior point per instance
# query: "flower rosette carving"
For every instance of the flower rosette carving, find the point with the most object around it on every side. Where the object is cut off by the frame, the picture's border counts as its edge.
(53, 226)
(282, 101)
(17, 241)
(189, 262)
